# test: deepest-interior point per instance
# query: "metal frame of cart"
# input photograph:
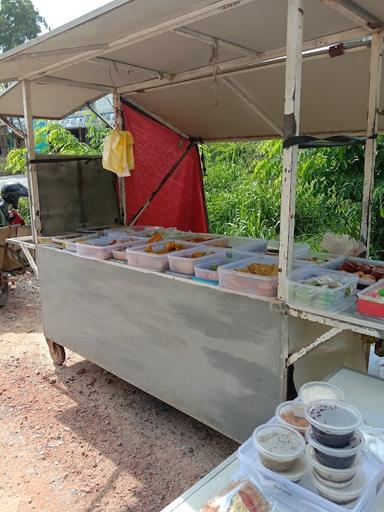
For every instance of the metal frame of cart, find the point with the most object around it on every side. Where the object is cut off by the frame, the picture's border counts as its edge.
(46, 65)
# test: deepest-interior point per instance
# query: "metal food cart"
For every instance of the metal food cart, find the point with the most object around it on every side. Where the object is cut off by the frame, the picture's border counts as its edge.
(219, 356)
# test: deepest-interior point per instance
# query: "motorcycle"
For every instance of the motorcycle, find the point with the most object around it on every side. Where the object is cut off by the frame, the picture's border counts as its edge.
(9, 202)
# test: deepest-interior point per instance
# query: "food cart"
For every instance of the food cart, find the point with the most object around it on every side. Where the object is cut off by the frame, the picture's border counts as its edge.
(220, 356)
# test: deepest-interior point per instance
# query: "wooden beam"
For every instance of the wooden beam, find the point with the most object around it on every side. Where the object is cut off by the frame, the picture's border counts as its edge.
(73, 83)
(57, 52)
(234, 86)
(130, 67)
(34, 202)
(371, 143)
(355, 13)
(212, 41)
(244, 63)
(293, 71)
(12, 127)
(143, 35)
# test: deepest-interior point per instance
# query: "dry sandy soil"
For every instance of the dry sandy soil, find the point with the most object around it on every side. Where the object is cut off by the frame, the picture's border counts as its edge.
(77, 438)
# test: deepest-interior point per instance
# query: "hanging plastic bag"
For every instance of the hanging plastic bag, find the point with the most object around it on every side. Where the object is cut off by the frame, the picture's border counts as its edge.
(118, 152)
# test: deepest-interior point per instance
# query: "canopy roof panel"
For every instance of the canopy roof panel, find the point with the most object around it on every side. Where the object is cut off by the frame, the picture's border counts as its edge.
(208, 66)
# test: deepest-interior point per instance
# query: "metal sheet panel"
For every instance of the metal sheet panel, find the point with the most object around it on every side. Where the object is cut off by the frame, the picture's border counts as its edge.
(212, 354)
(75, 193)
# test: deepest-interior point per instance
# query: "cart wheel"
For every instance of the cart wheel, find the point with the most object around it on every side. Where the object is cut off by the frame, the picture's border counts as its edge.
(57, 352)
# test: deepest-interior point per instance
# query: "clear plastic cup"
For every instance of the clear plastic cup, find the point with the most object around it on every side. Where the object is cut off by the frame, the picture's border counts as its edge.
(336, 478)
(291, 414)
(317, 390)
(279, 446)
(345, 496)
(333, 423)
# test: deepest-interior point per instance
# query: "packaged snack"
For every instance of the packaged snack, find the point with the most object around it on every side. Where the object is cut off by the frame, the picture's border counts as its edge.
(240, 496)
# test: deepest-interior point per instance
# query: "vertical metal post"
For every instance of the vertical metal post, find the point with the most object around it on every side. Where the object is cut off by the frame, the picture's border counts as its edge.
(371, 144)
(119, 126)
(291, 128)
(34, 205)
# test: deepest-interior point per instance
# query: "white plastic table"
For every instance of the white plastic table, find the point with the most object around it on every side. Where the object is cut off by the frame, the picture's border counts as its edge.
(363, 391)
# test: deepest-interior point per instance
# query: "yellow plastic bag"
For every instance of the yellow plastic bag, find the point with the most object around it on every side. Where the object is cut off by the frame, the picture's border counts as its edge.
(118, 152)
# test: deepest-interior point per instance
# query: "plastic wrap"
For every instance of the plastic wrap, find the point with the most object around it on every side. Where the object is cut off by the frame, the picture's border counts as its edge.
(239, 496)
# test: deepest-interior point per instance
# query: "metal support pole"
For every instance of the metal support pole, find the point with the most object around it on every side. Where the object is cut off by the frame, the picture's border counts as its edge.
(371, 143)
(34, 205)
(291, 128)
(119, 126)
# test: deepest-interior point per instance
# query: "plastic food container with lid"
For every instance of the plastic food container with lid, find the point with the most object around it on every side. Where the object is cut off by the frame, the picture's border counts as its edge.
(368, 271)
(279, 446)
(257, 245)
(103, 247)
(184, 262)
(336, 458)
(333, 423)
(371, 300)
(209, 270)
(318, 390)
(344, 496)
(69, 241)
(205, 239)
(321, 289)
(232, 277)
(336, 478)
(317, 258)
(157, 259)
(291, 414)
(273, 247)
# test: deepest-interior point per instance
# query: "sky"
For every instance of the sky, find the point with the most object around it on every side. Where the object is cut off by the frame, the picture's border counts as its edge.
(59, 13)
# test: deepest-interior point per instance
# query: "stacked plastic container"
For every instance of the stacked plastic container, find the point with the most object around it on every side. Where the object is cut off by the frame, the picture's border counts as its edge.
(332, 472)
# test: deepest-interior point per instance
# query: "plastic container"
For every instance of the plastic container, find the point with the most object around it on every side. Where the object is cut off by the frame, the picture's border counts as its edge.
(279, 447)
(208, 270)
(336, 478)
(303, 292)
(291, 414)
(69, 241)
(333, 423)
(318, 258)
(336, 458)
(184, 262)
(345, 496)
(363, 267)
(370, 302)
(303, 496)
(298, 249)
(253, 284)
(257, 245)
(119, 255)
(205, 239)
(103, 247)
(138, 257)
(318, 390)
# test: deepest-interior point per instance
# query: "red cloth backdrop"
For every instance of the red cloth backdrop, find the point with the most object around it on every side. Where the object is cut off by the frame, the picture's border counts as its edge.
(180, 203)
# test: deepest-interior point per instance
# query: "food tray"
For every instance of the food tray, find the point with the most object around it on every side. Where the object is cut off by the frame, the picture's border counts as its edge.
(205, 239)
(318, 258)
(258, 245)
(204, 270)
(298, 249)
(302, 496)
(252, 284)
(69, 241)
(337, 263)
(182, 263)
(321, 298)
(102, 247)
(137, 257)
(368, 304)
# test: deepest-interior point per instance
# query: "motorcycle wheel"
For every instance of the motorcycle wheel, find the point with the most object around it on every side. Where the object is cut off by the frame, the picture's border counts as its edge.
(4, 291)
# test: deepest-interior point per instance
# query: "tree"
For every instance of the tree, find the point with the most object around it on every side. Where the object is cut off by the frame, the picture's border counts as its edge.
(19, 22)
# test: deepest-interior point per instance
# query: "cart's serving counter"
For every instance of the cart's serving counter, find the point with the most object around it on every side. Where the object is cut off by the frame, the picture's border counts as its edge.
(219, 356)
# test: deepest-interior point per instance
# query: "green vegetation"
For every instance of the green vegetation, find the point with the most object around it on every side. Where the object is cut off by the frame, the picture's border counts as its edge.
(243, 191)
(19, 22)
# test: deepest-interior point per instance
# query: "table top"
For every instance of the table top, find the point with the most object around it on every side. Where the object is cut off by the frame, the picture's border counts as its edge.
(363, 391)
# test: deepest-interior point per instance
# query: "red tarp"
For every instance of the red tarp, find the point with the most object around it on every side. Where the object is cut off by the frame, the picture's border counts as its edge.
(180, 203)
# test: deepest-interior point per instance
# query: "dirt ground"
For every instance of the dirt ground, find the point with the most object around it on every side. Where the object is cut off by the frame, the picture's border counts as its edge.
(77, 438)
